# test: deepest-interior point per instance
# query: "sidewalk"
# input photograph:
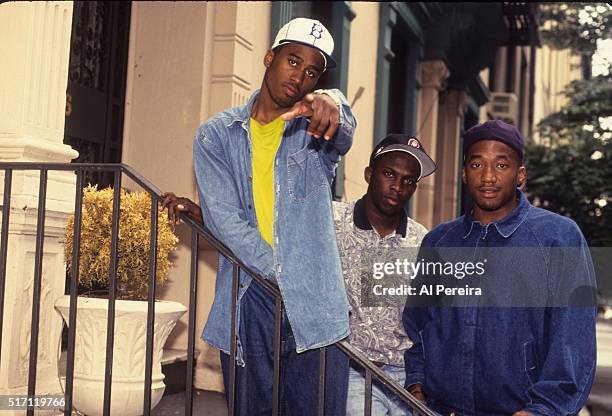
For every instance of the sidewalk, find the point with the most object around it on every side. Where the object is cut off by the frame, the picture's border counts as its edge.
(204, 403)
(600, 399)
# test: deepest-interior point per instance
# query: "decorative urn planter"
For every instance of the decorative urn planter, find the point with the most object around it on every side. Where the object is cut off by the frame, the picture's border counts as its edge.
(129, 353)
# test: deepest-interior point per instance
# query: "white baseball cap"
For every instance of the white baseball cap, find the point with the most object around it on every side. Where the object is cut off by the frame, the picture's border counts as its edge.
(309, 32)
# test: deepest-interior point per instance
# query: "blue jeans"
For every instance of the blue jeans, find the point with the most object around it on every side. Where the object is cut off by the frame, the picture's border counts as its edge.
(299, 373)
(384, 402)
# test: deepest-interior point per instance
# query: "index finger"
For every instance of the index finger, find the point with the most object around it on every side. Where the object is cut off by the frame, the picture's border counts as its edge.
(291, 114)
(301, 108)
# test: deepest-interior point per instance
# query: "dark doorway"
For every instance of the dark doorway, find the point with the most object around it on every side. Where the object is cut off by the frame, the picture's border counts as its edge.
(403, 84)
(96, 83)
(398, 74)
(95, 96)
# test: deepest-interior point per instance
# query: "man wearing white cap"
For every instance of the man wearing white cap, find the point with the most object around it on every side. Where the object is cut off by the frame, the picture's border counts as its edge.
(264, 173)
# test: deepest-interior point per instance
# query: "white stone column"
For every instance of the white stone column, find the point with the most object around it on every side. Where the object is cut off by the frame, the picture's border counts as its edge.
(34, 46)
(433, 79)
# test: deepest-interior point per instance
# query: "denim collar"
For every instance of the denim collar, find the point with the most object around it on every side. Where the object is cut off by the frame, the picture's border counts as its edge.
(507, 225)
(242, 114)
(360, 218)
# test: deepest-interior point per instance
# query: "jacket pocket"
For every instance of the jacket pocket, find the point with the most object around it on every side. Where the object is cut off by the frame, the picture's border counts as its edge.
(305, 174)
(530, 361)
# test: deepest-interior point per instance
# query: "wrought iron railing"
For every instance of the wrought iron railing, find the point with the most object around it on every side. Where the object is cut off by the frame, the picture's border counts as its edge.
(372, 372)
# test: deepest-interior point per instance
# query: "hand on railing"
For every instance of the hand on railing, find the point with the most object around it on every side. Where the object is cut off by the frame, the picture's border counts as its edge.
(175, 205)
(417, 391)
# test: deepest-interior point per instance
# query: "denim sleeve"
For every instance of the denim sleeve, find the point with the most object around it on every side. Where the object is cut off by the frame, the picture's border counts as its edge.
(222, 212)
(415, 317)
(569, 364)
(343, 139)
(414, 320)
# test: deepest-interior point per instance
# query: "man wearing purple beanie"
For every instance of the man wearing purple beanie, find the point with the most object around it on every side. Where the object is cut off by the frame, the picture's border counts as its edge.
(519, 338)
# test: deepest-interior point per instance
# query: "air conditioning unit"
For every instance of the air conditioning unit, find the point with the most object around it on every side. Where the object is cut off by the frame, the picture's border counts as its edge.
(504, 106)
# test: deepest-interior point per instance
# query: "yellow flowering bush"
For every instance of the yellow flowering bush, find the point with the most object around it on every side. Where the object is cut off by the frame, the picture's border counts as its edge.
(133, 244)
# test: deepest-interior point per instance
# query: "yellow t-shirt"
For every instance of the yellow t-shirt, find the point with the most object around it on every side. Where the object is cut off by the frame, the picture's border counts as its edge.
(266, 140)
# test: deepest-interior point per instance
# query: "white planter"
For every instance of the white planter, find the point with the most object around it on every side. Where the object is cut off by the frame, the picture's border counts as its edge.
(127, 392)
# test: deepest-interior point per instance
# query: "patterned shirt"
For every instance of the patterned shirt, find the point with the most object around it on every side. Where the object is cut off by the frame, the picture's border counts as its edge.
(375, 331)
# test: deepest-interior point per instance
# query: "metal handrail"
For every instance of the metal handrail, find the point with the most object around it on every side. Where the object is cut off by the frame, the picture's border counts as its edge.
(198, 230)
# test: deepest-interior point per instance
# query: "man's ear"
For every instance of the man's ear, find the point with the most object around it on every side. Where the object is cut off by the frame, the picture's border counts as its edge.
(367, 174)
(268, 58)
(521, 176)
(463, 176)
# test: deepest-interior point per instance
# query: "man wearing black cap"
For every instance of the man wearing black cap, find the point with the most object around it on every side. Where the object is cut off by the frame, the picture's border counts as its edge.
(526, 345)
(378, 222)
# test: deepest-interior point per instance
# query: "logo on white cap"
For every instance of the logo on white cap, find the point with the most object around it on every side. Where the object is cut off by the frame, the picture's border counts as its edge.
(316, 31)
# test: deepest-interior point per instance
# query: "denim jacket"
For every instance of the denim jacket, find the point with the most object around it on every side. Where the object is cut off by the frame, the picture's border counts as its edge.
(499, 360)
(305, 261)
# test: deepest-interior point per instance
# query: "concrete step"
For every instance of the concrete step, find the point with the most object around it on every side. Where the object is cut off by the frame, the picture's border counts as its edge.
(207, 403)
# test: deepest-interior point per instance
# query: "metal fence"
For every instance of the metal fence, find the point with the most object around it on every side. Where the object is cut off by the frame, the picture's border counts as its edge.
(372, 372)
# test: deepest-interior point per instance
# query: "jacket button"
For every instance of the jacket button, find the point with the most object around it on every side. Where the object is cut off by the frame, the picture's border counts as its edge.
(250, 207)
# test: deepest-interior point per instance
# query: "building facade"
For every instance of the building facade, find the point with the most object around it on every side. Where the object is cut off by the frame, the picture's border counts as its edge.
(131, 82)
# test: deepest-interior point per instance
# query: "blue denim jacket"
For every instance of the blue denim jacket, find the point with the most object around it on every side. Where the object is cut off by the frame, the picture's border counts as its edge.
(499, 360)
(305, 261)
